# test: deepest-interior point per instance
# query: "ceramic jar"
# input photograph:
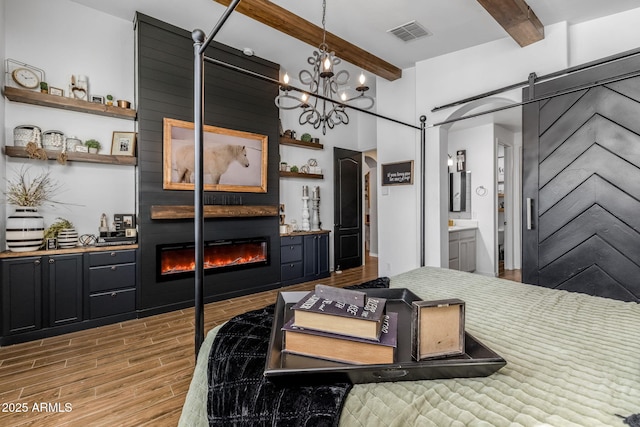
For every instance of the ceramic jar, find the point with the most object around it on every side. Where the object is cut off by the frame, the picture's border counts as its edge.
(67, 238)
(24, 134)
(52, 140)
(25, 230)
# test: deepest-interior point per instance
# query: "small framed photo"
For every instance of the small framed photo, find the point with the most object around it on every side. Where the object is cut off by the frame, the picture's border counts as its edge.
(56, 91)
(123, 143)
(97, 99)
(52, 243)
(437, 328)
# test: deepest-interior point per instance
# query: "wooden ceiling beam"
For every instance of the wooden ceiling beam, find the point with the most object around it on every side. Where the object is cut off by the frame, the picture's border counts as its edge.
(291, 24)
(517, 18)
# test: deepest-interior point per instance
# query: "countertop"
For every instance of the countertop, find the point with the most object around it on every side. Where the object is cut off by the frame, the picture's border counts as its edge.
(462, 227)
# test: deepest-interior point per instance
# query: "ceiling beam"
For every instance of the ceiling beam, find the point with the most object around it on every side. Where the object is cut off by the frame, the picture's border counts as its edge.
(291, 24)
(517, 18)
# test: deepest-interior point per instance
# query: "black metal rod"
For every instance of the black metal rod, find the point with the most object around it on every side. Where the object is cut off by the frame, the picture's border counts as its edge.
(219, 25)
(542, 98)
(553, 75)
(198, 222)
(423, 142)
(289, 87)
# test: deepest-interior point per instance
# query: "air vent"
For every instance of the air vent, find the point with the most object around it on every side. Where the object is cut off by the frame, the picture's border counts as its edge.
(410, 31)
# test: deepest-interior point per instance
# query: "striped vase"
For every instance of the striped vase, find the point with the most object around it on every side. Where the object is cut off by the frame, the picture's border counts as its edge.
(67, 238)
(25, 230)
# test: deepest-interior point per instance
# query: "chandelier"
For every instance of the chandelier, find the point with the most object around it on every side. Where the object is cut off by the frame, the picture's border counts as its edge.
(327, 88)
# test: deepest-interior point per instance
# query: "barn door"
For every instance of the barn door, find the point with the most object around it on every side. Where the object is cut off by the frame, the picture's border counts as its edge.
(581, 187)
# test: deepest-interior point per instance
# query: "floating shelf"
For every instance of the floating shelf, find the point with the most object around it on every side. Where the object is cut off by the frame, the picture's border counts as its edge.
(212, 211)
(301, 175)
(297, 143)
(46, 100)
(108, 159)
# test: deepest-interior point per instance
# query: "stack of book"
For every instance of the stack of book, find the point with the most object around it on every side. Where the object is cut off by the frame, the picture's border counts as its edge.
(342, 325)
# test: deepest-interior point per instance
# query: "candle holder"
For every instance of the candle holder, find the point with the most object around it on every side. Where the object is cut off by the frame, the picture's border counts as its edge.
(315, 210)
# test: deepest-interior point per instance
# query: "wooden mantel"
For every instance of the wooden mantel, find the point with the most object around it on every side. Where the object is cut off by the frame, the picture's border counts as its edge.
(212, 211)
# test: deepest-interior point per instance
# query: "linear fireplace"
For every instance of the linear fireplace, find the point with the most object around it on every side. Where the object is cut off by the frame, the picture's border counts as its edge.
(178, 260)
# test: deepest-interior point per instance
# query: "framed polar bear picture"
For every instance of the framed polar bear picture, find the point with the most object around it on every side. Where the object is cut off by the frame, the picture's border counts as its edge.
(233, 160)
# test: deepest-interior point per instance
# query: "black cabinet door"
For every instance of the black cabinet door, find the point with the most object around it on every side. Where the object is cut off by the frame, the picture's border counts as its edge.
(64, 273)
(316, 256)
(21, 295)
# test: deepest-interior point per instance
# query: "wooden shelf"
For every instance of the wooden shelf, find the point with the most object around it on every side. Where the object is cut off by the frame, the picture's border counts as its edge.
(77, 249)
(212, 211)
(109, 159)
(301, 175)
(46, 100)
(297, 143)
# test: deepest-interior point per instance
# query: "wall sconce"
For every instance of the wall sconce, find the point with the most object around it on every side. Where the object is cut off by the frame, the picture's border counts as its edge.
(450, 160)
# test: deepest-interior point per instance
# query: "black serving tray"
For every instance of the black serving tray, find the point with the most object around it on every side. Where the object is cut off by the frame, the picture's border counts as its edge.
(285, 368)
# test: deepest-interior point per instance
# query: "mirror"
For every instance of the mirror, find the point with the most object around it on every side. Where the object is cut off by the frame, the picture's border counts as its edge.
(460, 192)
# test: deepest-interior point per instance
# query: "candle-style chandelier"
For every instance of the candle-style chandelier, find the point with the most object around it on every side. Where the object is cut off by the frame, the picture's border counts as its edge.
(327, 109)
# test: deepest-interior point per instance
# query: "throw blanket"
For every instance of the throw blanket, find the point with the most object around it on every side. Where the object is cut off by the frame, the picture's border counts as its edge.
(239, 394)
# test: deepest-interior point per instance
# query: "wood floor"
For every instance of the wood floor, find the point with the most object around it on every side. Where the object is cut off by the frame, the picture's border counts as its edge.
(134, 373)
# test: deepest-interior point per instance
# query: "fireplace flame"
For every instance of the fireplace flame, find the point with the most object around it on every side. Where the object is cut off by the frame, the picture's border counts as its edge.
(183, 260)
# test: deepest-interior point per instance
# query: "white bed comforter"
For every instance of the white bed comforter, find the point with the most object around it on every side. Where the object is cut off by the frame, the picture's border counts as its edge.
(572, 360)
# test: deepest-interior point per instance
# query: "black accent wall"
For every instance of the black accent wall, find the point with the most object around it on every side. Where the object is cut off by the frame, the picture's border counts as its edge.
(164, 78)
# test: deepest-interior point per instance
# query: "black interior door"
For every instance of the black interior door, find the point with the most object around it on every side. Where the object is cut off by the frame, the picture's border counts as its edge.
(347, 231)
(581, 186)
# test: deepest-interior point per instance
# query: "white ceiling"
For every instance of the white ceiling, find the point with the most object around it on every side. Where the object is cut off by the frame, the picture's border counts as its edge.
(454, 24)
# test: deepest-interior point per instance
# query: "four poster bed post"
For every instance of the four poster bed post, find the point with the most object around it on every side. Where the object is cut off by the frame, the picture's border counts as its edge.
(199, 47)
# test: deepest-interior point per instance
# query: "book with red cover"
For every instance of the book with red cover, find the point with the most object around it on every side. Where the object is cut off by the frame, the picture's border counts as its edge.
(341, 348)
(314, 312)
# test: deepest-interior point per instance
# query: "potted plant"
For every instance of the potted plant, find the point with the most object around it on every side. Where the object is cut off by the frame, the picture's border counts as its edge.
(25, 228)
(62, 230)
(93, 145)
(109, 99)
(44, 87)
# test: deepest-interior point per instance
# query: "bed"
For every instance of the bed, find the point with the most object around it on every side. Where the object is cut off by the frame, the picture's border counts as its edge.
(572, 360)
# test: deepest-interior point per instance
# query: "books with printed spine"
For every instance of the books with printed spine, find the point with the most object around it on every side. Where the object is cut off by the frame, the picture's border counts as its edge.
(341, 348)
(321, 314)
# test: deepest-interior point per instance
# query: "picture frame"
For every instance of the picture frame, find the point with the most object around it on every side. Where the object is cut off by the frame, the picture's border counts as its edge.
(56, 91)
(123, 143)
(234, 160)
(98, 99)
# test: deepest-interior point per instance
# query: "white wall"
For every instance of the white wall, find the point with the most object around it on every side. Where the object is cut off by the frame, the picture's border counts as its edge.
(398, 210)
(64, 39)
(3, 169)
(462, 74)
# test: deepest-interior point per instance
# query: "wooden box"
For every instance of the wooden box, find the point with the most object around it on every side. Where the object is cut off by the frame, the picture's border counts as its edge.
(437, 328)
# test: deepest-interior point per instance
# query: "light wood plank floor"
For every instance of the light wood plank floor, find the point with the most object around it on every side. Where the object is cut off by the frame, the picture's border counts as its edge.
(134, 373)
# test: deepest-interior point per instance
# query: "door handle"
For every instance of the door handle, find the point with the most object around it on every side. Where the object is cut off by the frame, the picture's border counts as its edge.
(529, 213)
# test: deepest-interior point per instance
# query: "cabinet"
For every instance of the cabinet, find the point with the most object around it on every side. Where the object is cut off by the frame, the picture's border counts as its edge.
(64, 290)
(40, 292)
(111, 283)
(304, 257)
(462, 250)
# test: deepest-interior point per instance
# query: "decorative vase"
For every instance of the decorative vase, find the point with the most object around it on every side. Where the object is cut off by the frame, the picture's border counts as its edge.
(25, 230)
(67, 238)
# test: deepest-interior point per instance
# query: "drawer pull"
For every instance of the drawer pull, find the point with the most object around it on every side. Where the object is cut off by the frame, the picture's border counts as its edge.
(113, 254)
(36, 262)
(292, 247)
(51, 260)
(291, 266)
(113, 267)
(113, 294)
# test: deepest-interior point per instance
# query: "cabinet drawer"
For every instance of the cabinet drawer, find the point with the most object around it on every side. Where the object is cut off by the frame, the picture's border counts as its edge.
(110, 303)
(290, 271)
(290, 253)
(290, 240)
(467, 234)
(111, 257)
(112, 277)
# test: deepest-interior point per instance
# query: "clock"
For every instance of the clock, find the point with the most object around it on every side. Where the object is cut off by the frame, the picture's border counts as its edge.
(26, 78)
